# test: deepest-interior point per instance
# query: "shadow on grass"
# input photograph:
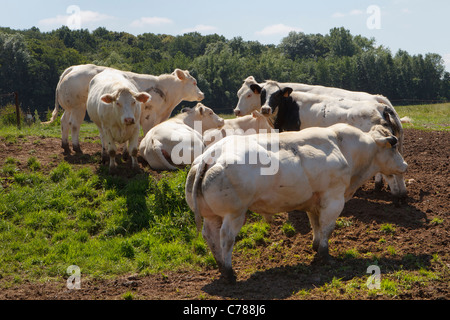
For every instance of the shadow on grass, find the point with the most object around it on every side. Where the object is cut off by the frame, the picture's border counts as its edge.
(285, 281)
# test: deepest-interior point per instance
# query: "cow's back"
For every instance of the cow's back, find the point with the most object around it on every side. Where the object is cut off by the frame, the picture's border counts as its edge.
(306, 164)
(73, 88)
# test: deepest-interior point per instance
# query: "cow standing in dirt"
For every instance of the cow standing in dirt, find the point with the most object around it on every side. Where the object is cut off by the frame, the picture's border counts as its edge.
(114, 104)
(167, 92)
(316, 170)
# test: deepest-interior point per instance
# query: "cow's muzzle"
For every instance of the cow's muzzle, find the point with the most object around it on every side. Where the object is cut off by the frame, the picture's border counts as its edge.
(266, 110)
(129, 121)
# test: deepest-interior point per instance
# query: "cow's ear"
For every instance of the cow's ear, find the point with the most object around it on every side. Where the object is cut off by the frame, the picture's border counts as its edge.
(180, 74)
(143, 97)
(387, 142)
(108, 98)
(392, 141)
(256, 88)
(201, 110)
(287, 92)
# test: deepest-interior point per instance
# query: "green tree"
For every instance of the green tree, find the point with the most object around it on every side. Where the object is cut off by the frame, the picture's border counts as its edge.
(341, 42)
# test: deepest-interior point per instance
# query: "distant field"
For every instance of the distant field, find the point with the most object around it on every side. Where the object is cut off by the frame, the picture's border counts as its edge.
(427, 117)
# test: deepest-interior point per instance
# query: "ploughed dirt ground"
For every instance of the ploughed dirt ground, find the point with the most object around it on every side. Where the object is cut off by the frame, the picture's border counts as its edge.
(283, 267)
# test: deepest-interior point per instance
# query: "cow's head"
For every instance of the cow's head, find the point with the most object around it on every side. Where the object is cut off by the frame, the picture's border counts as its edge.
(388, 158)
(249, 96)
(205, 116)
(126, 104)
(272, 96)
(189, 86)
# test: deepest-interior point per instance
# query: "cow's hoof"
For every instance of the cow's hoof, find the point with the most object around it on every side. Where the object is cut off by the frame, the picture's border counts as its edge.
(323, 258)
(77, 150)
(66, 148)
(229, 277)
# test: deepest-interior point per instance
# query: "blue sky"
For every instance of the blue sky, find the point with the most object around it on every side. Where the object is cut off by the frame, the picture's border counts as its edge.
(416, 26)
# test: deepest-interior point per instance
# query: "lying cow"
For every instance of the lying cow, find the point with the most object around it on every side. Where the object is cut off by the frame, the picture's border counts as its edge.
(299, 110)
(114, 104)
(319, 169)
(163, 145)
(250, 124)
(167, 92)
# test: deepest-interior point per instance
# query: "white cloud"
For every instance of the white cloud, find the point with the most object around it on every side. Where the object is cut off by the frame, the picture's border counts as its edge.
(199, 28)
(354, 12)
(153, 21)
(277, 29)
(85, 17)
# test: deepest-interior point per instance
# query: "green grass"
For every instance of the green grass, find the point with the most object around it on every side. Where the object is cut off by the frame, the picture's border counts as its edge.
(105, 225)
(110, 226)
(427, 117)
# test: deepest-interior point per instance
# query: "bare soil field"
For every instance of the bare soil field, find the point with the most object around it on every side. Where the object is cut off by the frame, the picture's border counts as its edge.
(284, 267)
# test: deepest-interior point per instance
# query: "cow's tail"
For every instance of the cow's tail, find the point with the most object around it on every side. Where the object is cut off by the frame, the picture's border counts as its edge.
(195, 192)
(158, 148)
(56, 109)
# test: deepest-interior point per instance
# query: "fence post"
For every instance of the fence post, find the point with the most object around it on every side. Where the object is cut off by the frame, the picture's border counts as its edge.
(16, 96)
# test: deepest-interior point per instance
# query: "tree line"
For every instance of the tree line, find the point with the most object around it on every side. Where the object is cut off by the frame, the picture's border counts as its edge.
(31, 62)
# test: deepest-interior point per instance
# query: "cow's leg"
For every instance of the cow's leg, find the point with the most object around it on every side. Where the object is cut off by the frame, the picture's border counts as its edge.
(397, 186)
(231, 226)
(112, 149)
(65, 128)
(76, 119)
(105, 156)
(331, 208)
(314, 220)
(211, 233)
(133, 149)
(378, 181)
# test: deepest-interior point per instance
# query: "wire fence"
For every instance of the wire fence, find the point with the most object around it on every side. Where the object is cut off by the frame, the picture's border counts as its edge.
(404, 102)
(31, 116)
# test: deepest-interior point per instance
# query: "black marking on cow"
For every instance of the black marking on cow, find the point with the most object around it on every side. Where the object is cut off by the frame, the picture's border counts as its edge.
(157, 91)
(389, 114)
(288, 117)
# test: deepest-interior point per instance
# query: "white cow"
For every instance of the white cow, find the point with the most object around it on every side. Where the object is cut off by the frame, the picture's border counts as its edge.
(319, 169)
(167, 92)
(297, 110)
(250, 124)
(176, 142)
(114, 105)
(249, 94)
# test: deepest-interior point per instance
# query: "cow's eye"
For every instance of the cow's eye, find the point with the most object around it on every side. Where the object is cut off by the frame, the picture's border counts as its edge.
(195, 83)
(249, 95)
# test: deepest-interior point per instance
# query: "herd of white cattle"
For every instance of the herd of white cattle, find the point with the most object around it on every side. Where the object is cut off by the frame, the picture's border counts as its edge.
(292, 147)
